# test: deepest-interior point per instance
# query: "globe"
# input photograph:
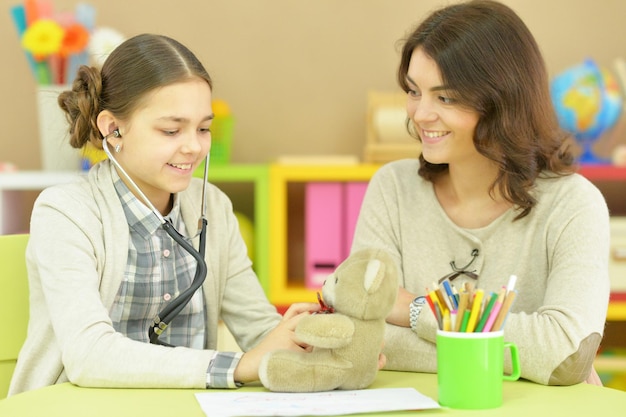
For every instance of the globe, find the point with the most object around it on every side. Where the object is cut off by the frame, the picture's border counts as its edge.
(588, 102)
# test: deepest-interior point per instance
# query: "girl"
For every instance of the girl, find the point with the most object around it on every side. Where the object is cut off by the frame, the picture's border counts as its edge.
(101, 267)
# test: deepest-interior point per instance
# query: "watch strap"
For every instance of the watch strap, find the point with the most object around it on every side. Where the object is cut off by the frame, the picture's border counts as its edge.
(415, 308)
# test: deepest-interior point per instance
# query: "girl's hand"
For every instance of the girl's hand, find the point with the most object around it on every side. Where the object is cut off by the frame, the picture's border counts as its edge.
(281, 337)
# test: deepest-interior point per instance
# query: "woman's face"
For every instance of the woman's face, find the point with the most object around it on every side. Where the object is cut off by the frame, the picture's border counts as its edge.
(445, 128)
(167, 138)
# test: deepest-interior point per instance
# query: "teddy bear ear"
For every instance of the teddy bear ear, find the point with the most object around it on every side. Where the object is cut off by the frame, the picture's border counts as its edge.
(374, 273)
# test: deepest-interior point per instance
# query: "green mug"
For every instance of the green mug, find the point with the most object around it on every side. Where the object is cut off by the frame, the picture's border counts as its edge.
(470, 368)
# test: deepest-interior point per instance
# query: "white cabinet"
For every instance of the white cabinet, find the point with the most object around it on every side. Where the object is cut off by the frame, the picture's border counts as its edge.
(13, 185)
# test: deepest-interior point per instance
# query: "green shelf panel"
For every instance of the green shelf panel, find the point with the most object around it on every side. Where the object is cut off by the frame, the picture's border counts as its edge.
(258, 176)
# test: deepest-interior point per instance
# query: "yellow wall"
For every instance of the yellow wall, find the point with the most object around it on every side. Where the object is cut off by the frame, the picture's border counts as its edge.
(296, 73)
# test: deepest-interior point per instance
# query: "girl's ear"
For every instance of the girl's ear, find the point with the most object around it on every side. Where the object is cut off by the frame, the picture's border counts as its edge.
(106, 122)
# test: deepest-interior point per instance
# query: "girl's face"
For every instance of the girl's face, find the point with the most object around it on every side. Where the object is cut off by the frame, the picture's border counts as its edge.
(166, 139)
(445, 128)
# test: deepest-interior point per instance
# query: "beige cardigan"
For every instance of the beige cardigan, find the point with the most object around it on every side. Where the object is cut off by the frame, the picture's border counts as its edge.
(76, 258)
(559, 252)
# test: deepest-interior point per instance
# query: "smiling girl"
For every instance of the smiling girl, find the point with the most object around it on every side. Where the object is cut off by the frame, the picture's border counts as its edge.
(101, 267)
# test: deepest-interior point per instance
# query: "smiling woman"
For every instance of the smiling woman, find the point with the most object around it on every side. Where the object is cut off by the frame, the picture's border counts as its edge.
(445, 129)
(495, 180)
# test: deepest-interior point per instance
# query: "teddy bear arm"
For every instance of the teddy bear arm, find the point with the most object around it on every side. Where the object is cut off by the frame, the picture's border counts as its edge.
(325, 330)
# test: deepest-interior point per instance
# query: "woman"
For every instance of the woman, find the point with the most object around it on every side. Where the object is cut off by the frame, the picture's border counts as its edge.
(101, 267)
(494, 194)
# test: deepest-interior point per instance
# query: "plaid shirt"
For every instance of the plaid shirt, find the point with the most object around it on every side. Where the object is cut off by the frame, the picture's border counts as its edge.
(157, 271)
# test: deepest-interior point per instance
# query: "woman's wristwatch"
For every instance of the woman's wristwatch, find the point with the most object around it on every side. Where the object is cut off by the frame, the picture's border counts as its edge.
(414, 310)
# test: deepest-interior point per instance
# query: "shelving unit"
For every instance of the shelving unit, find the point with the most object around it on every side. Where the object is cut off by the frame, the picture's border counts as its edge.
(272, 197)
(611, 181)
(286, 214)
(248, 188)
(603, 172)
(13, 185)
(246, 185)
(287, 283)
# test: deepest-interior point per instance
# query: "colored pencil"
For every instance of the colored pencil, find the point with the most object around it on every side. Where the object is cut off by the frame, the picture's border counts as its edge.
(504, 311)
(465, 320)
(446, 320)
(443, 300)
(511, 285)
(433, 296)
(430, 301)
(485, 314)
(494, 312)
(438, 315)
(462, 308)
(475, 310)
(448, 289)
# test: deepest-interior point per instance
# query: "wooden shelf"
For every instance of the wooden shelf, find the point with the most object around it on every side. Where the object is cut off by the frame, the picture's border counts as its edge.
(13, 184)
(617, 308)
(603, 172)
(613, 364)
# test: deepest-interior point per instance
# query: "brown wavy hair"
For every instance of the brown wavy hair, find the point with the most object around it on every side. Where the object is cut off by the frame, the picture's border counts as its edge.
(135, 68)
(485, 53)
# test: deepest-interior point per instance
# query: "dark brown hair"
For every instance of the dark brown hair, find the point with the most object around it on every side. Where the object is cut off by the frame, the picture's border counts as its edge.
(136, 67)
(488, 56)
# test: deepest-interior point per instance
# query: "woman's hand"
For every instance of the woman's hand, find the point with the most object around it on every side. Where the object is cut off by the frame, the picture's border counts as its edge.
(281, 337)
(382, 359)
(399, 315)
(594, 378)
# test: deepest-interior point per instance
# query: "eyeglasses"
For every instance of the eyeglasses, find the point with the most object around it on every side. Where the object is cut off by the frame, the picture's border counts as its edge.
(456, 271)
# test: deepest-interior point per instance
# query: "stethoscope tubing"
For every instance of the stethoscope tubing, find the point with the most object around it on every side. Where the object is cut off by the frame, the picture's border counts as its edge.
(174, 307)
(165, 317)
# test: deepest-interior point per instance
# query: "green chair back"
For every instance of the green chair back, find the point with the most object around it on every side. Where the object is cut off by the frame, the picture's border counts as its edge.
(13, 304)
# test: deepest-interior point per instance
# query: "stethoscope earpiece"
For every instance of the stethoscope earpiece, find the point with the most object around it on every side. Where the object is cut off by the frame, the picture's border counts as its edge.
(116, 134)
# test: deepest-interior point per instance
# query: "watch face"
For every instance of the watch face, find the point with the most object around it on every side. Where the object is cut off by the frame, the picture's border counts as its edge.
(420, 300)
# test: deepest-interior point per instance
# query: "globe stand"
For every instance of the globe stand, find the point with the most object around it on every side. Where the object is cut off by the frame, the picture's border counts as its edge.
(588, 157)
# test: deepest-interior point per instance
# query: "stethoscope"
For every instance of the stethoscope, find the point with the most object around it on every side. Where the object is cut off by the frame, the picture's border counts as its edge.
(170, 311)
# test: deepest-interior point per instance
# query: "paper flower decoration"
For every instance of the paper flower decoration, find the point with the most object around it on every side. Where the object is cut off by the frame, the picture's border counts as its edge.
(75, 40)
(56, 43)
(43, 38)
(103, 41)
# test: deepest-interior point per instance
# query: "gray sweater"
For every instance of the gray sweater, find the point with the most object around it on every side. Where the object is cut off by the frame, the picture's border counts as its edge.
(559, 253)
(76, 258)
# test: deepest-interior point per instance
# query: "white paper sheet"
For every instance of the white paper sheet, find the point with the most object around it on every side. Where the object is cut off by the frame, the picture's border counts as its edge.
(240, 403)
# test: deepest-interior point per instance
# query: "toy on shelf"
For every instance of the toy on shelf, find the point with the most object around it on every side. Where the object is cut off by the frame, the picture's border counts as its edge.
(90, 155)
(221, 132)
(619, 156)
(387, 136)
(7, 167)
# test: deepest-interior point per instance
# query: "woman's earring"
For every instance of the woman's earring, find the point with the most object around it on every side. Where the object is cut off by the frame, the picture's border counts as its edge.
(118, 148)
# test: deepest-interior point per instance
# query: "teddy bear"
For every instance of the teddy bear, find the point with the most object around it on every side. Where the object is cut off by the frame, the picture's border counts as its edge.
(346, 335)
